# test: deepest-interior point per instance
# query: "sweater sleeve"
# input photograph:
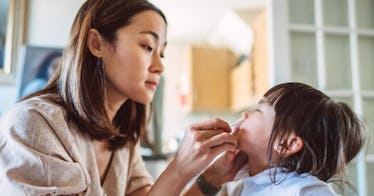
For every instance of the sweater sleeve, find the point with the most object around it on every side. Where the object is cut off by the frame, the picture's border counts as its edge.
(33, 160)
(139, 176)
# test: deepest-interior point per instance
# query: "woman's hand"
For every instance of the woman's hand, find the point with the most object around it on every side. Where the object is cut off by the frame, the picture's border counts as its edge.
(225, 168)
(202, 143)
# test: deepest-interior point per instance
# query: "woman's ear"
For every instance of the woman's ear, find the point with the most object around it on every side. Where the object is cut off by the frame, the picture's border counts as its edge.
(293, 145)
(95, 43)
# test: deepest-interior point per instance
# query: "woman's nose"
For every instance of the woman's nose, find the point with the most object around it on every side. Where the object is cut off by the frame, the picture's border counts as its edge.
(157, 65)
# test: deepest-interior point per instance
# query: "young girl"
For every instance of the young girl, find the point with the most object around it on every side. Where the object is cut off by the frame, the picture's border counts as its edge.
(296, 140)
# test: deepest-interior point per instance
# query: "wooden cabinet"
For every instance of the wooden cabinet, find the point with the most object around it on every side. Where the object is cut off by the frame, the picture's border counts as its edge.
(208, 75)
(250, 80)
(242, 86)
(212, 82)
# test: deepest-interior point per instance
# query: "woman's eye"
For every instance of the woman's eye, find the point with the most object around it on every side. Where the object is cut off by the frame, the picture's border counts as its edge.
(148, 48)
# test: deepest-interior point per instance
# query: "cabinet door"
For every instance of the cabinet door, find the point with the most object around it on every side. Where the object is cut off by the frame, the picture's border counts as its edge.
(242, 87)
(210, 78)
(250, 80)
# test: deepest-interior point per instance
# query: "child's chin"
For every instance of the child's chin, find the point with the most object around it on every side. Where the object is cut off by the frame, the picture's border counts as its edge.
(242, 148)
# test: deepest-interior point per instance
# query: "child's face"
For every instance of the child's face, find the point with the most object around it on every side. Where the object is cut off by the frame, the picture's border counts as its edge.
(255, 131)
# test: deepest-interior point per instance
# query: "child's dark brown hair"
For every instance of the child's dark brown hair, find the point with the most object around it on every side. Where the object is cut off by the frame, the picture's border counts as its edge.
(332, 133)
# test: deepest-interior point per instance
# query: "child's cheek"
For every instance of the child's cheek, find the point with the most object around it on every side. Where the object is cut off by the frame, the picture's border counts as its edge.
(243, 136)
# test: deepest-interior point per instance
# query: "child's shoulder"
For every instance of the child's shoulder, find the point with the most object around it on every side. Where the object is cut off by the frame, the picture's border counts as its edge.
(283, 182)
(306, 184)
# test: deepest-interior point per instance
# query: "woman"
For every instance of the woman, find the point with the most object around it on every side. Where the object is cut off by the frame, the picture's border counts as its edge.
(80, 134)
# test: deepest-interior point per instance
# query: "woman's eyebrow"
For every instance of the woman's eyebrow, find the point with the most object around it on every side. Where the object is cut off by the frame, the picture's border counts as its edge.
(155, 35)
(262, 101)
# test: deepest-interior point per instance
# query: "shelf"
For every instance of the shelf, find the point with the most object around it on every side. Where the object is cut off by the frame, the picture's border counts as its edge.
(328, 29)
(365, 32)
(368, 93)
(337, 30)
(302, 28)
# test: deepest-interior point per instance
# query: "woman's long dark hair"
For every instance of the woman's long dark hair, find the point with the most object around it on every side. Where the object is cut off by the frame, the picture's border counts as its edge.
(332, 133)
(80, 80)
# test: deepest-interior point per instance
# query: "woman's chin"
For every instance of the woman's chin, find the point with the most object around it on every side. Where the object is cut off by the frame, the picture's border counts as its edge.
(144, 100)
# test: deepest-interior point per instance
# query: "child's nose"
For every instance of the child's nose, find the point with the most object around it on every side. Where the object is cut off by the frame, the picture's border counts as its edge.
(245, 114)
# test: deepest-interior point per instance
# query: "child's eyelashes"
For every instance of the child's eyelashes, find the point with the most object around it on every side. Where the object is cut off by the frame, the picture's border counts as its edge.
(252, 110)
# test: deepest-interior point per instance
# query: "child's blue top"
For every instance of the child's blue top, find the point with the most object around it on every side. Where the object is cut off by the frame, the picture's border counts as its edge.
(290, 184)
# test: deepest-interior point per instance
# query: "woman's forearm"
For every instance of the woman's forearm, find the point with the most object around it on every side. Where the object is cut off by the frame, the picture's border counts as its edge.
(170, 182)
(210, 177)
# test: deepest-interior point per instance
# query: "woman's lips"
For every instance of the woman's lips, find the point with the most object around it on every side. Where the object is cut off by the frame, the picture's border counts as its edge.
(151, 84)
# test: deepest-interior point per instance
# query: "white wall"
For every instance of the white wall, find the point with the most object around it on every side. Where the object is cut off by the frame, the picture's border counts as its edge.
(47, 24)
(49, 21)
(8, 95)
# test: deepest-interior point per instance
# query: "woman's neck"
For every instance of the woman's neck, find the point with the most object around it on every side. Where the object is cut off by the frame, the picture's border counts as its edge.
(112, 106)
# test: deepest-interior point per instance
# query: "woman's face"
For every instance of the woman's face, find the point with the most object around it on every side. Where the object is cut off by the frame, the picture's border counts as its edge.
(255, 130)
(133, 63)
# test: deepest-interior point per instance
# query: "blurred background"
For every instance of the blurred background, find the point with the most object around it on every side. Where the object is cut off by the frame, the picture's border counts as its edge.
(221, 57)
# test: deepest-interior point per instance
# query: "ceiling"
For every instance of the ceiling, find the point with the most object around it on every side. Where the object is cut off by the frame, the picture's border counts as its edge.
(193, 20)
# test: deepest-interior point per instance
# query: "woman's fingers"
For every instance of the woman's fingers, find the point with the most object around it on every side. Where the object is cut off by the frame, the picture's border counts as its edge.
(210, 124)
(221, 143)
(203, 142)
(208, 139)
(205, 134)
(222, 138)
(222, 148)
(229, 157)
